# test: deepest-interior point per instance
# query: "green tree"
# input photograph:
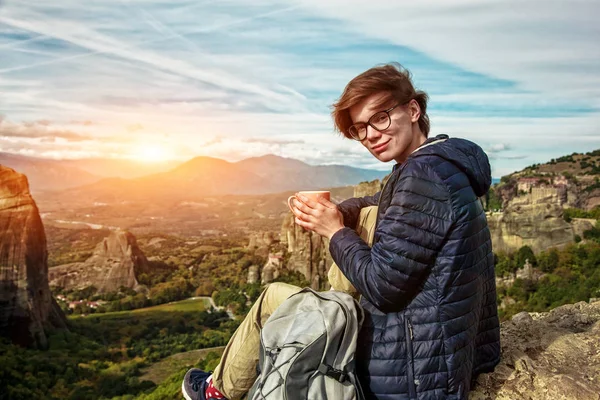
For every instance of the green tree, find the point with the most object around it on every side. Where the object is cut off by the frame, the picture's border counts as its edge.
(523, 254)
(548, 260)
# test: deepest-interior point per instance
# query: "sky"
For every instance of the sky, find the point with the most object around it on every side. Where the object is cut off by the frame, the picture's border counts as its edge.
(175, 79)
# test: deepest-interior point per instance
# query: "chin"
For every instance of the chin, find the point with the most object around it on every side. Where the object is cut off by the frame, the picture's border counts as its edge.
(384, 157)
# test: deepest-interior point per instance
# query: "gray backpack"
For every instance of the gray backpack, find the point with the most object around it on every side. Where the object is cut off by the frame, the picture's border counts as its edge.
(307, 349)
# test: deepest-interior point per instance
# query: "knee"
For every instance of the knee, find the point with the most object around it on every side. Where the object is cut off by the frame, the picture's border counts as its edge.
(277, 292)
(280, 287)
(276, 286)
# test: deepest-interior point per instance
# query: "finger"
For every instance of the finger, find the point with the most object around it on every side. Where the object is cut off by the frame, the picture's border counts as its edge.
(323, 201)
(300, 215)
(303, 207)
(308, 202)
(303, 212)
(303, 224)
(305, 217)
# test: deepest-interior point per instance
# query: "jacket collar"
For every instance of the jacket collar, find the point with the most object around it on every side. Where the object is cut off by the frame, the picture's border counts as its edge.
(428, 142)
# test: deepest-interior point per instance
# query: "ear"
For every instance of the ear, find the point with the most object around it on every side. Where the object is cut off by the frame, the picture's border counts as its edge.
(414, 110)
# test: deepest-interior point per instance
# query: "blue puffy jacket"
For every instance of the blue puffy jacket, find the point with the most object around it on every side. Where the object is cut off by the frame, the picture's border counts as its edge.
(427, 283)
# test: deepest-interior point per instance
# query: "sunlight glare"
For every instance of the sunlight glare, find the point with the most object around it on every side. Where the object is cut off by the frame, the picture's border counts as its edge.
(150, 153)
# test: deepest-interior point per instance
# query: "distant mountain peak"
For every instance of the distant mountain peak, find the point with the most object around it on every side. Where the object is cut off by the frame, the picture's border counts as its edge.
(274, 160)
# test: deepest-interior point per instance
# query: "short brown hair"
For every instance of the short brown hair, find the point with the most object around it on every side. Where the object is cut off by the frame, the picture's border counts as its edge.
(392, 78)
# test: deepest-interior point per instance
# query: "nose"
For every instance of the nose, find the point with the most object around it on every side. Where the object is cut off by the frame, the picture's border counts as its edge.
(372, 133)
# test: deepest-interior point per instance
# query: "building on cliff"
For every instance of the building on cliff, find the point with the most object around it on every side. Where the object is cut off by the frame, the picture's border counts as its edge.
(27, 308)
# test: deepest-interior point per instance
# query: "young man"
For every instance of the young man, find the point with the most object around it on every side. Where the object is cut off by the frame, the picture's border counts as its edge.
(427, 283)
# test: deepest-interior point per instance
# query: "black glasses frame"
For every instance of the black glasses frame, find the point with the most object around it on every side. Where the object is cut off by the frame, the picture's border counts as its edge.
(361, 124)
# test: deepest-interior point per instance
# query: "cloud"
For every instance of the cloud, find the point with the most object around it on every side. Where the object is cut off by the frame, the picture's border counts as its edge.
(212, 142)
(495, 148)
(39, 129)
(93, 42)
(274, 141)
(541, 46)
(83, 123)
(251, 79)
(135, 127)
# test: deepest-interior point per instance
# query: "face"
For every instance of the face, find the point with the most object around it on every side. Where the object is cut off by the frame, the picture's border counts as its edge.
(400, 138)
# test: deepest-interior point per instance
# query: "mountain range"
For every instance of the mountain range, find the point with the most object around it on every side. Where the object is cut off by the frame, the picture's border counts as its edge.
(107, 180)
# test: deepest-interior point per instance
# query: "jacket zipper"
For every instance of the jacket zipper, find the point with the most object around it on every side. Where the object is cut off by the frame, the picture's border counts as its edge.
(410, 367)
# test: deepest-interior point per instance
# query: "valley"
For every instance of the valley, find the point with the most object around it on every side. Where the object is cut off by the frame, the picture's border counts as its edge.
(150, 286)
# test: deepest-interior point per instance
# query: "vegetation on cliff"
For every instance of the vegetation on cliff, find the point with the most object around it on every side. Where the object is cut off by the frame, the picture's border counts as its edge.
(559, 276)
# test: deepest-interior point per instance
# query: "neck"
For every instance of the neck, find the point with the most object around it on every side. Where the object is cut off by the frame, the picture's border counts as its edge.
(418, 138)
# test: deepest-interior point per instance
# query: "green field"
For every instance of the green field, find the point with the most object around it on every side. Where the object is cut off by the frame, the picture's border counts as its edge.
(161, 370)
(195, 304)
(188, 305)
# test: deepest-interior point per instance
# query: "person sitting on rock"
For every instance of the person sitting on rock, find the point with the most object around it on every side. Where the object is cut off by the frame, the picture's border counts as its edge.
(427, 282)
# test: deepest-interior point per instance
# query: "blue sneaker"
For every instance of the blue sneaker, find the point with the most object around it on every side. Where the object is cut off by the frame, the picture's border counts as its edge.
(194, 384)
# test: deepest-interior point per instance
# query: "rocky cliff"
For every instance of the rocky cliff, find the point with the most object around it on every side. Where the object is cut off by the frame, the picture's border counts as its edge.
(368, 188)
(309, 252)
(261, 243)
(27, 308)
(116, 262)
(535, 220)
(547, 356)
(539, 226)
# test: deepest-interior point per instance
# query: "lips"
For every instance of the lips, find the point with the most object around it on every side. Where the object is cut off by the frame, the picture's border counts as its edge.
(380, 147)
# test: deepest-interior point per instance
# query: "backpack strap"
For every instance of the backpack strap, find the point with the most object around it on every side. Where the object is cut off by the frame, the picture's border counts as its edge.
(336, 374)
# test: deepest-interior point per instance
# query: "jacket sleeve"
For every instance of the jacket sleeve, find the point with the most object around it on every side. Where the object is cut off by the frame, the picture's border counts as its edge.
(350, 208)
(407, 240)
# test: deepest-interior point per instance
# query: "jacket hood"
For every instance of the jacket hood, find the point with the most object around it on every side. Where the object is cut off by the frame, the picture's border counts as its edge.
(466, 155)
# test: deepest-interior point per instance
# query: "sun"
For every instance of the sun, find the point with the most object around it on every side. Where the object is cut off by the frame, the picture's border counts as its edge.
(150, 153)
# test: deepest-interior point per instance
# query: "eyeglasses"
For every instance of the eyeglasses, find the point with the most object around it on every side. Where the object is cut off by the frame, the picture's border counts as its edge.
(379, 121)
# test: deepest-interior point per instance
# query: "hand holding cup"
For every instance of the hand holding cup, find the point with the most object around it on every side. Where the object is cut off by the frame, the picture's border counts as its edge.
(314, 211)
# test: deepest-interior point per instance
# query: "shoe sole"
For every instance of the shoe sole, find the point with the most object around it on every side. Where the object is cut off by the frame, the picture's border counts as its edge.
(184, 392)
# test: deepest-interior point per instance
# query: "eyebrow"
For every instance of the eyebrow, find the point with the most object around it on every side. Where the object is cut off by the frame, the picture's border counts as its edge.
(379, 106)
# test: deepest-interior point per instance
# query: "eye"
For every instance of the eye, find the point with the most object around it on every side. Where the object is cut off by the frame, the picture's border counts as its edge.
(379, 118)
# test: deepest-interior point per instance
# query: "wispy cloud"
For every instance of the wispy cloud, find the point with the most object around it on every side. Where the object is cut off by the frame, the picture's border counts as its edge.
(498, 147)
(39, 129)
(274, 141)
(235, 79)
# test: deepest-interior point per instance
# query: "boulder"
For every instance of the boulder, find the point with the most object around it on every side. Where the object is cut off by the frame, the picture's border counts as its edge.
(547, 356)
